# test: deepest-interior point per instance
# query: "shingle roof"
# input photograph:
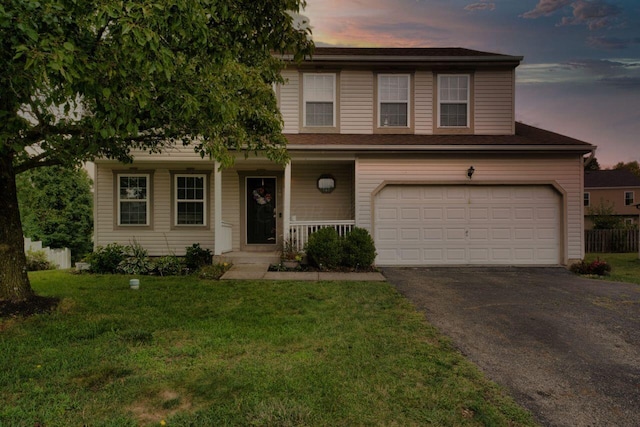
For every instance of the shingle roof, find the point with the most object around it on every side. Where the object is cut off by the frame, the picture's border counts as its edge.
(394, 51)
(525, 136)
(610, 178)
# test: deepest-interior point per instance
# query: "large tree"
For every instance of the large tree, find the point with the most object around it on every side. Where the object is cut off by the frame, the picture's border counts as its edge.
(82, 79)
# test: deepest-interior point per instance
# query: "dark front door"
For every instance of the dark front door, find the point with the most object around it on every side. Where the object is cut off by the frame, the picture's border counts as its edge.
(261, 210)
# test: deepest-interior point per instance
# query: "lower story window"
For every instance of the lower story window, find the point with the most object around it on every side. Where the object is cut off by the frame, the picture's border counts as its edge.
(190, 202)
(133, 199)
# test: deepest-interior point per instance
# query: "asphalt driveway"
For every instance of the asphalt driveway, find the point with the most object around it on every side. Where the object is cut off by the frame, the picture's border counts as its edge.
(565, 347)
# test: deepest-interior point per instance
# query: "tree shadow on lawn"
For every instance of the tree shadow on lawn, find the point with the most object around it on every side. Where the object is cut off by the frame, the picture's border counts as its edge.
(34, 305)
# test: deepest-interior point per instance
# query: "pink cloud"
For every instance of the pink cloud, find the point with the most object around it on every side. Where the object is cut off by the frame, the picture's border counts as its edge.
(546, 8)
(480, 6)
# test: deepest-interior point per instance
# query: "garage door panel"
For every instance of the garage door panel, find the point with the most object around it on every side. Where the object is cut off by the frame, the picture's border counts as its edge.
(467, 225)
(453, 214)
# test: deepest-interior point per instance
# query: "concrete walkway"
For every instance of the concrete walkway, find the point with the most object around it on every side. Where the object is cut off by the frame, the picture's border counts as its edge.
(261, 272)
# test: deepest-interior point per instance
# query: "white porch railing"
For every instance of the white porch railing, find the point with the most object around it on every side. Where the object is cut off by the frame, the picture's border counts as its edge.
(299, 231)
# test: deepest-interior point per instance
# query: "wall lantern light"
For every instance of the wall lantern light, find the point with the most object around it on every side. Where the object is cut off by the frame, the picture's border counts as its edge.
(326, 183)
(470, 171)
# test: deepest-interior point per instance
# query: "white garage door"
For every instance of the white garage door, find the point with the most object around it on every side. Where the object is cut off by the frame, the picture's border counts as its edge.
(460, 224)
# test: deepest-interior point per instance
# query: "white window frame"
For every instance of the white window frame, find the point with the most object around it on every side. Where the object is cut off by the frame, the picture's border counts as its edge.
(586, 198)
(177, 201)
(308, 96)
(384, 101)
(146, 200)
(448, 101)
(633, 198)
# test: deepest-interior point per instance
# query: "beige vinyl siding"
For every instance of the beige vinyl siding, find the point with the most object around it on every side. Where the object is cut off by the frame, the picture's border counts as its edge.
(308, 203)
(494, 102)
(159, 239)
(566, 171)
(290, 100)
(423, 102)
(231, 204)
(356, 102)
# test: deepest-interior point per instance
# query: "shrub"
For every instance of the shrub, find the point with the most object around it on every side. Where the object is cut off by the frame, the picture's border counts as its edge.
(37, 261)
(324, 248)
(137, 260)
(169, 265)
(596, 267)
(106, 259)
(358, 249)
(197, 257)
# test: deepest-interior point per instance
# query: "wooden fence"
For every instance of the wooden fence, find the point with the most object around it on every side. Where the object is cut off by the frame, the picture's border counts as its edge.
(603, 241)
(61, 258)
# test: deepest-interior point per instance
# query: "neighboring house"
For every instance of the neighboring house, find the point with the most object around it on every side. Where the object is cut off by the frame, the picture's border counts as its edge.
(418, 146)
(617, 189)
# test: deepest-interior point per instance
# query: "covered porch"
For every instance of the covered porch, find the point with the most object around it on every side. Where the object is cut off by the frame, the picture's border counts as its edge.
(307, 194)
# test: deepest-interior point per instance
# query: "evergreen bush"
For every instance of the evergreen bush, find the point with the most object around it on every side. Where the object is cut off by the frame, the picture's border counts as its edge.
(324, 248)
(358, 249)
(197, 257)
(105, 260)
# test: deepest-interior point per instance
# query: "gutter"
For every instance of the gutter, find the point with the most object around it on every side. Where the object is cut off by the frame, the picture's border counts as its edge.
(441, 148)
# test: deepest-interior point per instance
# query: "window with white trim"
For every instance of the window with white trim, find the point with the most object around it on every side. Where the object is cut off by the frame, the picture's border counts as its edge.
(393, 100)
(628, 198)
(190, 199)
(133, 199)
(319, 100)
(587, 199)
(453, 100)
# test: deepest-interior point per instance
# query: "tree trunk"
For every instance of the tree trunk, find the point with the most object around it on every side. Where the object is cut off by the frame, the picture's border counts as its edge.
(14, 282)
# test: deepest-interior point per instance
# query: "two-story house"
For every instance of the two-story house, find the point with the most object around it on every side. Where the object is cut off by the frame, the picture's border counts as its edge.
(617, 190)
(419, 146)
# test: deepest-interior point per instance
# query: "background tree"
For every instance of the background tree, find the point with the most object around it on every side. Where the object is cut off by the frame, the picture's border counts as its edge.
(633, 167)
(82, 79)
(603, 216)
(593, 165)
(56, 208)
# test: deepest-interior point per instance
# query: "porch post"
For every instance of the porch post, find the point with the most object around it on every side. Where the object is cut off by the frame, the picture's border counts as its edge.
(286, 220)
(217, 208)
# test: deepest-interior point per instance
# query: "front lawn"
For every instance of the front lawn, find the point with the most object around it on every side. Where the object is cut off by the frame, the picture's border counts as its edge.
(624, 267)
(185, 351)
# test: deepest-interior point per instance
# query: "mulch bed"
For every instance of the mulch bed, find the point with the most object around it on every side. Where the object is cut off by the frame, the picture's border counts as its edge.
(34, 305)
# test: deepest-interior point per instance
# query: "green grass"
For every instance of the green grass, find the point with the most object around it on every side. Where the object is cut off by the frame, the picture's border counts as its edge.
(195, 352)
(624, 267)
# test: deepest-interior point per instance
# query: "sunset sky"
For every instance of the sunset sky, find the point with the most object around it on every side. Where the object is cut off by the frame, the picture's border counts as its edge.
(581, 70)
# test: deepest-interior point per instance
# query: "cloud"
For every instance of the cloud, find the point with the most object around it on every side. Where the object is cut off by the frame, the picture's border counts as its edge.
(480, 6)
(546, 8)
(619, 73)
(612, 43)
(594, 14)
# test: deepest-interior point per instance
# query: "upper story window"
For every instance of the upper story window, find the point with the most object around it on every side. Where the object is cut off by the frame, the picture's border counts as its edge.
(587, 199)
(393, 100)
(628, 198)
(453, 100)
(190, 199)
(319, 100)
(133, 199)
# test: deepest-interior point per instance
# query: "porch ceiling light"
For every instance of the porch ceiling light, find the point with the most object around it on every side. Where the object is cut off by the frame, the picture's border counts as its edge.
(326, 183)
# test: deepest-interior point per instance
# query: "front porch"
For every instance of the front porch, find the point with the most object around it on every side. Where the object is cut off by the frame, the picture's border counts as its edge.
(295, 196)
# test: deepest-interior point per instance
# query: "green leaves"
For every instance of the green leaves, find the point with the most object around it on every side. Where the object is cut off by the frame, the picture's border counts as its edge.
(99, 78)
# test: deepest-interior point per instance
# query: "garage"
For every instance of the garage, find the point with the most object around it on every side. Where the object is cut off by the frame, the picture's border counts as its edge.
(467, 225)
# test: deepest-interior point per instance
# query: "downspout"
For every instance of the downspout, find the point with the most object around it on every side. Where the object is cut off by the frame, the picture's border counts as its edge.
(589, 159)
